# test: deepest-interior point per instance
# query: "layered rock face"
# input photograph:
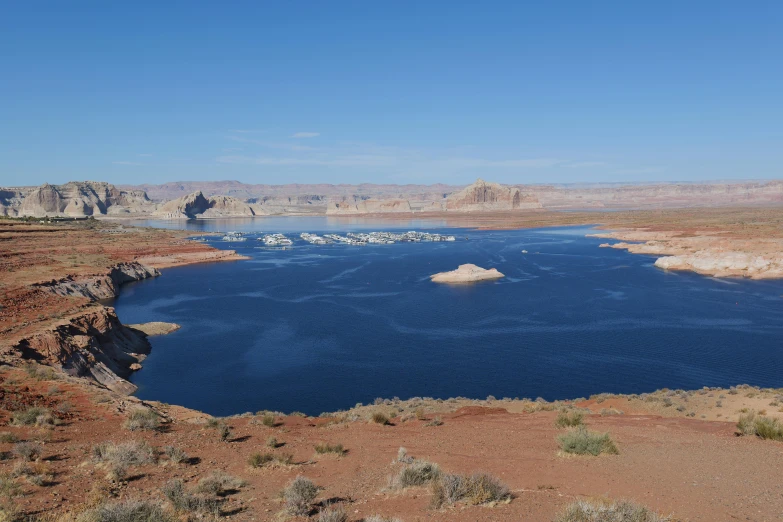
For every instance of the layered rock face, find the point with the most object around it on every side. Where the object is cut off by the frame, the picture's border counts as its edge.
(94, 345)
(81, 199)
(357, 205)
(483, 196)
(197, 206)
(104, 286)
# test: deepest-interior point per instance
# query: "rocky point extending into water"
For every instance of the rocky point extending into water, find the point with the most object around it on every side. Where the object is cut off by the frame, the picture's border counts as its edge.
(467, 273)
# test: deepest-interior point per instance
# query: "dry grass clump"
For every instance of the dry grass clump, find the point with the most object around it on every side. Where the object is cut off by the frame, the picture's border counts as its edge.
(566, 419)
(8, 437)
(142, 419)
(476, 489)
(324, 447)
(120, 457)
(299, 496)
(593, 511)
(417, 473)
(268, 420)
(380, 418)
(272, 442)
(332, 514)
(752, 423)
(27, 451)
(184, 501)
(434, 422)
(220, 484)
(583, 442)
(127, 511)
(257, 460)
(379, 518)
(33, 416)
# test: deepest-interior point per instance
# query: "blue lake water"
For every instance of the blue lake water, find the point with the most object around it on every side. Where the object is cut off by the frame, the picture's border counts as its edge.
(320, 328)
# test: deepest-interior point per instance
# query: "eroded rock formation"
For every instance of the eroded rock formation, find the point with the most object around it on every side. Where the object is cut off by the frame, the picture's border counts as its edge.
(195, 205)
(484, 196)
(467, 273)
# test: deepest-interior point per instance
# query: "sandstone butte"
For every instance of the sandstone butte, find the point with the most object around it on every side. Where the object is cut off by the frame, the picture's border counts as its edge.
(467, 273)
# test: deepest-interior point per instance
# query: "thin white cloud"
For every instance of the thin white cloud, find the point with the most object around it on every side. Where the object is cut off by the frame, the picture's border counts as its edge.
(144, 155)
(126, 163)
(305, 134)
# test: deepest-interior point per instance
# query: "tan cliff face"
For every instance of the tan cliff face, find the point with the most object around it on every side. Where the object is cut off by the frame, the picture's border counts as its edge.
(77, 199)
(197, 206)
(483, 196)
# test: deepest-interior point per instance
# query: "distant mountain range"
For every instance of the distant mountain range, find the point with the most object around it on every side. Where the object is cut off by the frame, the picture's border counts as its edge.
(209, 199)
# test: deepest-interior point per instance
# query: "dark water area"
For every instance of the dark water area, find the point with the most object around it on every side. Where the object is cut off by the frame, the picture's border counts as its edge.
(320, 328)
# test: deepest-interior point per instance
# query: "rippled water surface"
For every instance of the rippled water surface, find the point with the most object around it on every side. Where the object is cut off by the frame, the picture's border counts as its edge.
(320, 328)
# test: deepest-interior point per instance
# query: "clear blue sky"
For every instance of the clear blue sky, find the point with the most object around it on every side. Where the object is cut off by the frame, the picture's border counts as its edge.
(390, 92)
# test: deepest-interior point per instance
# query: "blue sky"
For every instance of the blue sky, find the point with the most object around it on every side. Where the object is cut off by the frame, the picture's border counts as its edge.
(390, 92)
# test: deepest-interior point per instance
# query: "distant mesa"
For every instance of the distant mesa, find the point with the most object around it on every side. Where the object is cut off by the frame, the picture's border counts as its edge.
(195, 205)
(467, 273)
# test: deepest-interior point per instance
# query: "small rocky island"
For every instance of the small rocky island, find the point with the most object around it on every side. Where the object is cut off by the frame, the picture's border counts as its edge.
(467, 273)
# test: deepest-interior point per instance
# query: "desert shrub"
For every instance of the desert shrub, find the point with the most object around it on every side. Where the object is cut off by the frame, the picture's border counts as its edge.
(332, 514)
(380, 418)
(272, 442)
(33, 416)
(323, 447)
(213, 422)
(379, 518)
(435, 422)
(120, 457)
(566, 419)
(219, 483)
(583, 442)
(182, 500)
(752, 423)
(127, 511)
(224, 432)
(478, 488)
(142, 419)
(27, 451)
(268, 420)
(299, 496)
(8, 437)
(623, 511)
(40, 372)
(418, 473)
(175, 454)
(37, 474)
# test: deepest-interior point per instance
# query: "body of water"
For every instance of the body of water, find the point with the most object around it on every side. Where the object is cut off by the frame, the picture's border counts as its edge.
(320, 328)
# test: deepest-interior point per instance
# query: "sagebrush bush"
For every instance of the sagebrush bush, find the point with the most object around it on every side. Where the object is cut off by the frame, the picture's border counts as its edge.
(323, 447)
(219, 483)
(566, 419)
(272, 442)
(26, 450)
(127, 511)
(120, 457)
(175, 454)
(417, 473)
(182, 500)
(379, 518)
(752, 423)
(299, 496)
(142, 419)
(33, 416)
(37, 474)
(580, 441)
(268, 420)
(476, 489)
(623, 511)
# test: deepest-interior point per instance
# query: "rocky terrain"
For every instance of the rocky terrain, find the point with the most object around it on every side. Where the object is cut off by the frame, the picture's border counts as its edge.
(234, 199)
(467, 273)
